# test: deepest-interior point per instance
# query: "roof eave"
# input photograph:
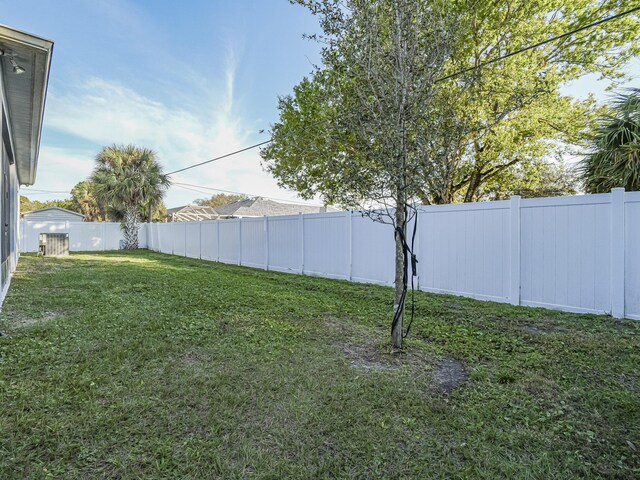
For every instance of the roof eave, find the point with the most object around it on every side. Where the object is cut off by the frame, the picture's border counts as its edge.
(27, 173)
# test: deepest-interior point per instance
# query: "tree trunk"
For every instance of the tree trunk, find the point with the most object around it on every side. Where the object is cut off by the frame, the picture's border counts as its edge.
(130, 228)
(396, 333)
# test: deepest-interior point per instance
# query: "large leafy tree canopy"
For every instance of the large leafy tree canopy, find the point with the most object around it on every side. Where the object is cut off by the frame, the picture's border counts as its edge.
(219, 199)
(28, 205)
(511, 118)
(614, 160)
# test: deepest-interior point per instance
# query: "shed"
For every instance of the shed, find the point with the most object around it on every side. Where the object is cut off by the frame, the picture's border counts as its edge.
(53, 214)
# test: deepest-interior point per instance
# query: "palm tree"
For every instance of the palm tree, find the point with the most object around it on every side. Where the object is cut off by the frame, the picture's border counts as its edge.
(127, 177)
(614, 160)
(83, 200)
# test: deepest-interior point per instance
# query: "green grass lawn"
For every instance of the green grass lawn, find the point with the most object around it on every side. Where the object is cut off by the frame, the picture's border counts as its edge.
(141, 365)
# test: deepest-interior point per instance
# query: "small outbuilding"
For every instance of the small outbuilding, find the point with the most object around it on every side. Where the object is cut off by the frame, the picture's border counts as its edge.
(53, 214)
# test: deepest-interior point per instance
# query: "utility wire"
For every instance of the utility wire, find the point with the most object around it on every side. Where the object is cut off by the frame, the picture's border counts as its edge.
(35, 190)
(542, 43)
(221, 157)
(455, 74)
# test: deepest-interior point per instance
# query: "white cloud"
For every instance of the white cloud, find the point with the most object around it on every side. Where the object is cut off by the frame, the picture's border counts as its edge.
(59, 169)
(104, 112)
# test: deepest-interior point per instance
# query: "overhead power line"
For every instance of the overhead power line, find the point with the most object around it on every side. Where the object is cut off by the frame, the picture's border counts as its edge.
(455, 74)
(35, 190)
(542, 43)
(220, 157)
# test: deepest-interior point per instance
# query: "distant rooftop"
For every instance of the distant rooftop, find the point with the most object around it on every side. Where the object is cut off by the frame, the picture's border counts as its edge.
(188, 213)
(258, 207)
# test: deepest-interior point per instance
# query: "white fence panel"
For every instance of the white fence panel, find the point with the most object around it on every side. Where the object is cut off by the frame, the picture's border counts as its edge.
(577, 253)
(178, 234)
(192, 236)
(166, 238)
(112, 236)
(327, 244)
(229, 241)
(87, 237)
(632, 256)
(142, 236)
(285, 243)
(372, 254)
(463, 250)
(209, 240)
(253, 242)
(83, 236)
(153, 236)
(31, 233)
(566, 253)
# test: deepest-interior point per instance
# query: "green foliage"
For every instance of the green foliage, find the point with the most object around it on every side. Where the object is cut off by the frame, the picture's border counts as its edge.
(515, 111)
(614, 160)
(145, 365)
(127, 179)
(159, 213)
(128, 176)
(84, 200)
(511, 119)
(219, 199)
(28, 205)
(537, 178)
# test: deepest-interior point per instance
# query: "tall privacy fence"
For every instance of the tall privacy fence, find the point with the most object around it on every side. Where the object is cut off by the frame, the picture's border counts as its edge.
(579, 253)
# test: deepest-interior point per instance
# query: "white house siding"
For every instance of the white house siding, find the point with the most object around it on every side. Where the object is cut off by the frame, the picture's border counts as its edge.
(9, 212)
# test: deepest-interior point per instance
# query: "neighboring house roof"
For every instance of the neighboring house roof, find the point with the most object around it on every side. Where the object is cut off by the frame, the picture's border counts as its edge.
(25, 95)
(258, 207)
(188, 213)
(53, 212)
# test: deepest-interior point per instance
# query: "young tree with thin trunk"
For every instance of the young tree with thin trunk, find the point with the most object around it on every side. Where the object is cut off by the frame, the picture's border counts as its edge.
(379, 128)
(126, 178)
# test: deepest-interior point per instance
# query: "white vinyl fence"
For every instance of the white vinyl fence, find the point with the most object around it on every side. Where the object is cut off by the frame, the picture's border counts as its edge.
(579, 253)
(83, 236)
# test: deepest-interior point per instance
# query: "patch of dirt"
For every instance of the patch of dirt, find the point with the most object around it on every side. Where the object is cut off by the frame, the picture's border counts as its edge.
(21, 321)
(450, 374)
(367, 356)
(538, 329)
(191, 359)
(453, 305)
(367, 351)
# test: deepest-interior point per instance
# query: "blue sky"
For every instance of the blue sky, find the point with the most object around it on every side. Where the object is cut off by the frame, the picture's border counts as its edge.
(192, 80)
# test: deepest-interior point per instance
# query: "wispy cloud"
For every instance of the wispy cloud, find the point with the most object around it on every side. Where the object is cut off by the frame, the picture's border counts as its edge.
(104, 112)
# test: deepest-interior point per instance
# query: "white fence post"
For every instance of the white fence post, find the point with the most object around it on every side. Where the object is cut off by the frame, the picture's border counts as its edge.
(349, 217)
(218, 241)
(23, 236)
(301, 232)
(514, 250)
(266, 242)
(240, 241)
(617, 252)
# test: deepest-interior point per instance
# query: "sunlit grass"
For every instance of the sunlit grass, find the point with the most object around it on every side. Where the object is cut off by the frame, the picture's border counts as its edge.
(141, 365)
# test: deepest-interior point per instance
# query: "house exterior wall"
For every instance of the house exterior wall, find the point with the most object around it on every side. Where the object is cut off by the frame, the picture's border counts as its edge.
(9, 205)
